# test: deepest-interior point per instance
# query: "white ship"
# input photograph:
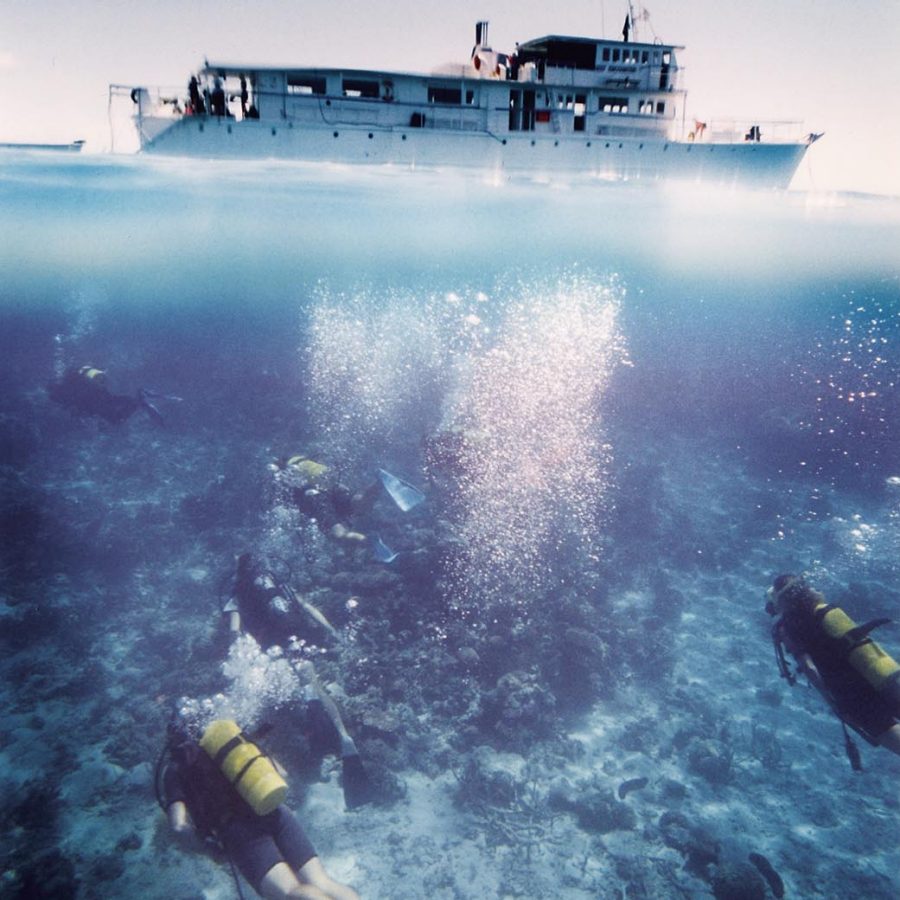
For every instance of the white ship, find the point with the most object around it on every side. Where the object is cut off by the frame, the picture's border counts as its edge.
(607, 108)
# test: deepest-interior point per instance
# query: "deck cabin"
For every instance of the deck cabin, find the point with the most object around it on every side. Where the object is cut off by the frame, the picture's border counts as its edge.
(551, 86)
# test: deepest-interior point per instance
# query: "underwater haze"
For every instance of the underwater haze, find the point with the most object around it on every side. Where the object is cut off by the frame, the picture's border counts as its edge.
(628, 407)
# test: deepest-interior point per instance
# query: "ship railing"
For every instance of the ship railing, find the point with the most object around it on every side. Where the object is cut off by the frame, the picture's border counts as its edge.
(744, 130)
(148, 110)
(150, 101)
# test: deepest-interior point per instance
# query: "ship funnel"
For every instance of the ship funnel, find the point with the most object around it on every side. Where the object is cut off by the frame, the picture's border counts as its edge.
(481, 34)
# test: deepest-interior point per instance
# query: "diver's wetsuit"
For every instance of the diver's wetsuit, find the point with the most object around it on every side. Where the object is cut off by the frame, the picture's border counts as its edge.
(253, 843)
(329, 505)
(855, 700)
(267, 610)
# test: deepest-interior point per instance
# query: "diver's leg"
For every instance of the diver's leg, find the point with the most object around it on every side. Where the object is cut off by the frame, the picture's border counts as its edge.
(280, 882)
(314, 874)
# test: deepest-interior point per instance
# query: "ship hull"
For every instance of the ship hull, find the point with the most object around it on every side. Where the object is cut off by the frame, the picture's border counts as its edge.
(749, 163)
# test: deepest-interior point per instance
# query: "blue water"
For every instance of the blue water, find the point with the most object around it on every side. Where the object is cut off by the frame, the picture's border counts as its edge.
(673, 395)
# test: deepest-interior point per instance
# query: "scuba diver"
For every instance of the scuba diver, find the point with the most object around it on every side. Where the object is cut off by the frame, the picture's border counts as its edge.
(84, 391)
(859, 681)
(270, 610)
(222, 787)
(274, 614)
(314, 489)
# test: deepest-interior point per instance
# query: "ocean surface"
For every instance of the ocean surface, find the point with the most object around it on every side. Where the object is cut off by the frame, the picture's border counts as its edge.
(628, 407)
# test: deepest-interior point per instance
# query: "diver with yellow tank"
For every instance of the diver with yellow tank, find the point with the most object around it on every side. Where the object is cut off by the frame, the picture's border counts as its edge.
(859, 680)
(316, 491)
(221, 785)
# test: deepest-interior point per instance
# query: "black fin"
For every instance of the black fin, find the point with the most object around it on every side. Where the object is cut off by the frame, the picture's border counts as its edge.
(150, 409)
(355, 779)
(852, 751)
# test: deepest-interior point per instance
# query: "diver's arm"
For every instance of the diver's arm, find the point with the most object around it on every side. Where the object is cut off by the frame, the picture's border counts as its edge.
(806, 666)
(179, 819)
(180, 822)
(233, 612)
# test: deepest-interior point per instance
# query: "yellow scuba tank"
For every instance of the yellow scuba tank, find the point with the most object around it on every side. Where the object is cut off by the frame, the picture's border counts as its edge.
(877, 667)
(89, 373)
(245, 766)
(308, 468)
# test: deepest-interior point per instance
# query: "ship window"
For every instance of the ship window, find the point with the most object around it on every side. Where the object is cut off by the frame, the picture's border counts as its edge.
(304, 85)
(449, 96)
(645, 56)
(646, 108)
(660, 108)
(615, 54)
(614, 104)
(470, 98)
(359, 87)
(606, 54)
(569, 54)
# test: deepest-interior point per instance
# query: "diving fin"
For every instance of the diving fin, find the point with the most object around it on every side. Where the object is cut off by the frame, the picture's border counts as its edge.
(402, 492)
(326, 733)
(382, 552)
(354, 778)
(852, 750)
(155, 395)
(149, 408)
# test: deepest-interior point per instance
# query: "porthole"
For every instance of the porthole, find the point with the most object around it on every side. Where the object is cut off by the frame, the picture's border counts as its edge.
(335, 134)
(589, 143)
(371, 135)
(503, 142)
(274, 132)
(402, 137)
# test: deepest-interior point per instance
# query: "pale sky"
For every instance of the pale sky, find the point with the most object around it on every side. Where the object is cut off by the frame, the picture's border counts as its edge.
(833, 65)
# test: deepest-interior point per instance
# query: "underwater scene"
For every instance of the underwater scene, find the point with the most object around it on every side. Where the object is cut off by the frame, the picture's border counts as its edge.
(461, 496)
